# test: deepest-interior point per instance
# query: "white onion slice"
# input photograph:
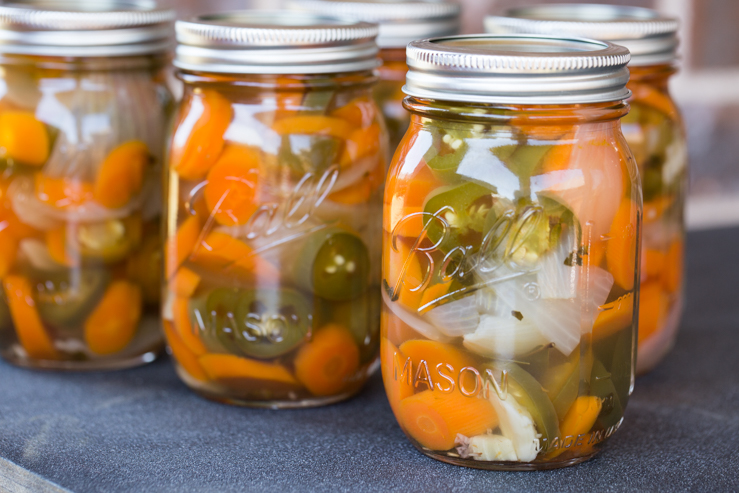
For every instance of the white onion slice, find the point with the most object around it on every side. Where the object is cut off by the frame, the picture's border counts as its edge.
(456, 318)
(414, 321)
(504, 337)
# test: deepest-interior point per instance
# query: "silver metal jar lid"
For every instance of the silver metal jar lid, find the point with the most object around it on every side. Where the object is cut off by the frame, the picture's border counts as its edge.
(85, 28)
(275, 42)
(517, 68)
(400, 21)
(650, 37)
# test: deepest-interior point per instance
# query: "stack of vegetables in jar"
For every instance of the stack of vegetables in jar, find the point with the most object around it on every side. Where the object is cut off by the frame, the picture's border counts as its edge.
(81, 142)
(510, 266)
(272, 261)
(654, 131)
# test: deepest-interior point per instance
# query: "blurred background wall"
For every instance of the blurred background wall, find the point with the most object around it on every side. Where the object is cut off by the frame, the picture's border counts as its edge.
(707, 88)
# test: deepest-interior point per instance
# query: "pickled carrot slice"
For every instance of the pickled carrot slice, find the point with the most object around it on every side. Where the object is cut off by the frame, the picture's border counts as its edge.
(653, 306)
(407, 201)
(185, 358)
(28, 325)
(410, 291)
(621, 248)
(579, 419)
(596, 253)
(220, 251)
(184, 328)
(358, 193)
(185, 282)
(359, 112)
(398, 385)
(313, 125)
(654, 210)
(651, 96)
(182, 244)
(614, 317)
(362, 142)
(325, 365)
(653, 262)
(672, 278)
(113, 323)
(56, 243)
(587, 177)
(233, 186)
(17, 228)
(197, 144)
(228, 366)
(8, 249)
(439, 353)
(63, 192)
(433, 293)
(121, 175)
(24, 138)
(396, 330)
(434, 419)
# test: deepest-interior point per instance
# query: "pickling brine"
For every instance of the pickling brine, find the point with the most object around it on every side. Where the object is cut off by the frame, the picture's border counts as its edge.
(273, 251)
(81, 144)
(510, 278)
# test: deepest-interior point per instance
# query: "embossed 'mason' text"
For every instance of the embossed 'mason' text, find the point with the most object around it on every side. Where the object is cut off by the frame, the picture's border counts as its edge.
(445, 378)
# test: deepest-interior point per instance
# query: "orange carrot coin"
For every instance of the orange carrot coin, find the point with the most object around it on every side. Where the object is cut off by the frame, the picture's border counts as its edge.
(184, 328)
(672, 277)
(579, 419)
(359, 112)
(63, 192)
(227, 367)
(434, 419)
(199, 139)
(114, 322)
(653, 305)
(121, 175)
(186, 359)
(621, 249)
(182, 244)
(185, 282)
(220, 251)
(233, 186)
(28, 325)
(361, 143)
(436, 355)
(24, 138)
(653, 262)
(313, 125)
(397, 377)
(614, 317)
(325, 364)
(8, 249)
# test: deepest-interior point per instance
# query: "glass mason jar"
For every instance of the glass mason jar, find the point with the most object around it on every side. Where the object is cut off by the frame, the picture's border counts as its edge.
(83, 111)
(273, 219)
(655, 133)
(400, 23)
(511, 225)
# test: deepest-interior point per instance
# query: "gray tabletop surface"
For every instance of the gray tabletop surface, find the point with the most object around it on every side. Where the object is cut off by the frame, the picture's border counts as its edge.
(143, 430)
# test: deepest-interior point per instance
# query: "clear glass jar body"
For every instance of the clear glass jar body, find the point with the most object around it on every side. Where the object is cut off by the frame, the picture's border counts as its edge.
(83, 141)
(655, 133)
(273, 224)
(510, 282)
(389, 94)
